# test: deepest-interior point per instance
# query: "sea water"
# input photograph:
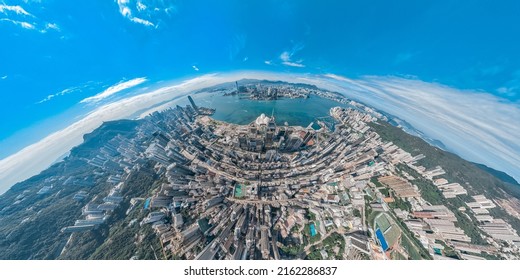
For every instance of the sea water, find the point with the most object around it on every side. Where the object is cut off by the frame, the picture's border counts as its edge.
(242, 110)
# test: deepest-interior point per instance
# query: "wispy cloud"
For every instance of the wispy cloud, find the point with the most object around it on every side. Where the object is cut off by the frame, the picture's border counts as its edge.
(511, 88)
(4, 77)
(287, 57)
(114, 89)
(195, 68)
(293, 64)
(142, 21)
(140, 6)
(143, 12)
(268, 62)
(67, 91)
(124, 9)
(23, 24)
(18, 16)
(61, 93)
(50, 26)
(512, 92)
(5, 9)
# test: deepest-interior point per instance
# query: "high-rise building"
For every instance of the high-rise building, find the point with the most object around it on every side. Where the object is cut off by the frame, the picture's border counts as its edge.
(193, 104)
(308, 136)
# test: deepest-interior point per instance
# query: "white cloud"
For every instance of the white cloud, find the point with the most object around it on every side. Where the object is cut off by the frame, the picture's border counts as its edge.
(50, 26)
(51, 96)
(142, 21)
(503, 90)
(113, 90)
(124, 9)
(286, 57)
(25, 25)
(22, 24)
(268, 62)
(511, 88)
(143, 12)
(293, 64)
(195, 68)
(140, 6)
(338, 77)
(4, 77)
(53, 26)
(65, 92)
(169, 10)
(18, 16)
(15, 9)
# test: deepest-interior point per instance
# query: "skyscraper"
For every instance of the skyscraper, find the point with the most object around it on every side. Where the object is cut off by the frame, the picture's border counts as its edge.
(193, 104)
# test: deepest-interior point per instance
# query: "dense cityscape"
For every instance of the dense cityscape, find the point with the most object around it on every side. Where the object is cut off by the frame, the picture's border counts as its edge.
(332, 190)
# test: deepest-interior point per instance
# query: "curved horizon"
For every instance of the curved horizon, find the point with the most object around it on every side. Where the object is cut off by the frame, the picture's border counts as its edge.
(482, 130)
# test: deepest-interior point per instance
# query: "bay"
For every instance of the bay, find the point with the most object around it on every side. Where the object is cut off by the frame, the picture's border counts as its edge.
(240, 110)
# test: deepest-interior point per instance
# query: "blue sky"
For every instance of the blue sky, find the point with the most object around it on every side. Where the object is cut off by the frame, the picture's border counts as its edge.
(54, 54)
